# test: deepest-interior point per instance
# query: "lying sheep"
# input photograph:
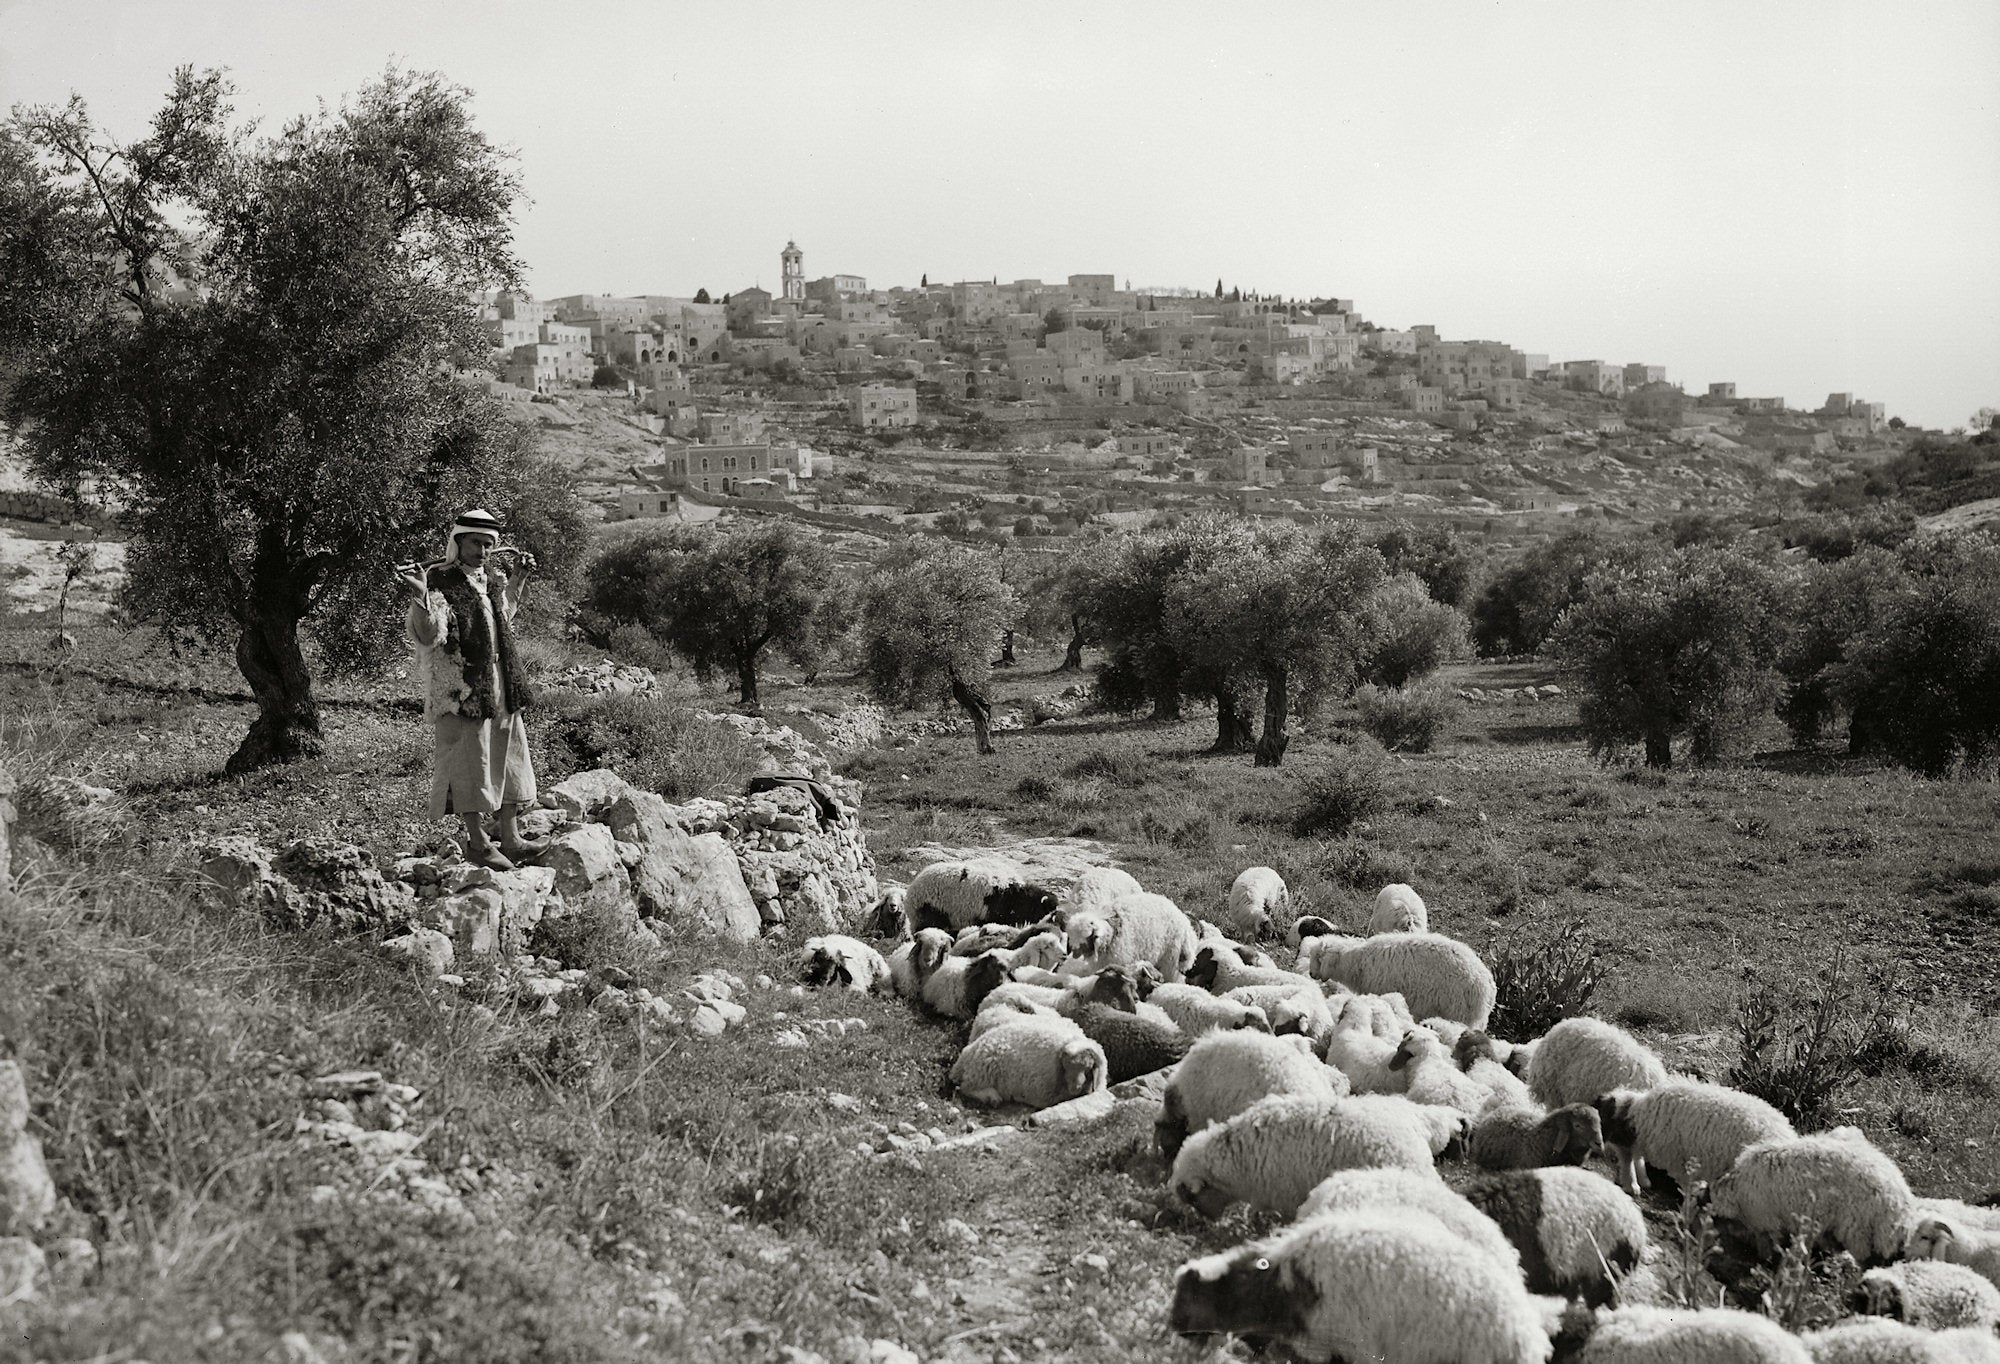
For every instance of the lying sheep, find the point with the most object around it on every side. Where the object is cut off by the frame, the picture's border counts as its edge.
(1196, 1011)
(1273, 1153)
(1855, 1194)
(1510, 1136)
(1429, 1077)
(1225, 1072)
(997, 1011)
(1684, 1122)
(970, 942)
(1309, 926)
(1875, 1341)
(1098, 887)
(837, 959)
(1219, 968)
(957, 986)
(1418, 1191)
(1132, 929)
(1135, 1043)
(1299, 1008)
(957, 894)
(1444, 1127)
(886, 919)
(1986, 1216)
(1252, 955)
(1255, 895)
(1958, 1243)
(1486, 1059)
(1933, 1294)
(1577, 1232)
(1448, 1031)
(1656, 1335)
(1032, 1061)
(1398, 909)
(912, 962)
(1581, 1058)
(1392, 1287)
(1433, 973)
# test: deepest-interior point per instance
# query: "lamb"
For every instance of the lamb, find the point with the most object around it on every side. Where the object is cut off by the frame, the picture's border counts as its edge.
(1275, 1152)
(1576, 1231)
(913, 962)
(1429, 1077)
(1196, 1011)
(1492, 1062)
(1219, 968)
(1874, 1341)
(1134, 928)
(1684, 1121)
(1933, 1294)
(1225, 1072)
(1372, 1284)
(837, 959)
(1398, 909)
(957, 894)
(1044, 950)
(1098, 887)
(1309, 926)
(1851, 1191)
(1580, 1058)
(1134, 1044)
(1256, 894)
(1512, 1136)
(1433, 973)
(1656, 1335)
(1417, 1191)
(1033, 1061)
(1958, 1243)
(956, 986)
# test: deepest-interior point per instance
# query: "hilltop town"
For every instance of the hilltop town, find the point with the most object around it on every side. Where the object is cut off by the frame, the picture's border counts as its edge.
(1028, 408)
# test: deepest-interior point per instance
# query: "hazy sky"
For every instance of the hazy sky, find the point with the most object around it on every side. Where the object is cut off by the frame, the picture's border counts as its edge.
(1801, 198)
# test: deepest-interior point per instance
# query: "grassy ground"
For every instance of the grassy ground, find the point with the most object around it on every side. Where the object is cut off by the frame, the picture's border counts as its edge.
(631, 1194)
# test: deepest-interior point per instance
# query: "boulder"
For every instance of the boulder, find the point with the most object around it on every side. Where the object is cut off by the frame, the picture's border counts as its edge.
(24, 1270)
(327, 880)
(586, 794)
(426, 947)
(678, 875)
(588, 874)
(241, 868)
(469, 921)
(27, 1194)
(712, 889)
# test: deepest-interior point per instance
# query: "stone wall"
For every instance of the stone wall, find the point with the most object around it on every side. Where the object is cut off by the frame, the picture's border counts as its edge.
(29, 506)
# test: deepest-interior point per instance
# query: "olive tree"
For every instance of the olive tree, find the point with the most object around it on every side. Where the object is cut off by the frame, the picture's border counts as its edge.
(931, 613)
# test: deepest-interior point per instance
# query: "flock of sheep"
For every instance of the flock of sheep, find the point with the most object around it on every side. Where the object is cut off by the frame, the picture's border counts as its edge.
(1328, 1092)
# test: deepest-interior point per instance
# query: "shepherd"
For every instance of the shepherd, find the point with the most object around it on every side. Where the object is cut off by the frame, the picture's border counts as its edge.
(460, 619)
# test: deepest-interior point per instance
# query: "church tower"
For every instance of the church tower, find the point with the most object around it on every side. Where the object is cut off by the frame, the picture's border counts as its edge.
(792, 269)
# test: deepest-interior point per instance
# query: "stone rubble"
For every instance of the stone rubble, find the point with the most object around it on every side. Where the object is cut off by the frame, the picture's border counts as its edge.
(603, 678)
(27, 1194)
(1501, 695)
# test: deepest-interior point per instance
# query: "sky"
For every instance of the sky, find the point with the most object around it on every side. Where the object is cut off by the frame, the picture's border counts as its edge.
(1801, 198)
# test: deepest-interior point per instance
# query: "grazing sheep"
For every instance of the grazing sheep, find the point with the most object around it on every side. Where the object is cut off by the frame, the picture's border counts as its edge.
(1309, 926)
(1255, 895)
(1986, 1216)
(1876, 1341)
(1429, 1077)
(1433, 973)
(957, 894)
(1657, 1335)
(1033, 1061)
(1273, 1153)
(1847, 1188)
(1508, 1136)
(1386, 1286)
(1219, 968)
(1576, 1231)
(1132, 929)
(1398, 909)
(1580, 1058)
(1444, 1127)
(913, 962)
(1684, 1121)
(1355, 1050)
(1933, 1294)
(959, 985)
(1418, 1191)
(1299, 1008)
(1958, 1243)
(1225, 1072)
(1098, 887)
(837, 959)
(1196, 1011)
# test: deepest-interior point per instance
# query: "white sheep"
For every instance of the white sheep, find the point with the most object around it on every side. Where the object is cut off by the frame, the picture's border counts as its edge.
(1448, 1030)
(1356, 1050)
(1225, 1072)
(1580, 1058)
(997, 1011)
(1576, 1231)
(1032, 1061)
(1958, 1210)
(1273, 1153)
(1958, 1243)
(1443, 1127)
(1296, 1007)
(1219, 967)
(957, 986)
(1132, 929)
(1387, 1286)
(1933, 1294)
(1428, 1076)
(1433, 973)
(1479, 1055)
(955, 895)
(1657, 1335)
(1196, 1011)
(970, 942)
(837, 959)
(1398, 909)
(1851, 1191)
(1252, 955)
(1873, 1340)
(1418, 1191)
(1684, 1121)
(912, 962)
(1098, 887)
(1255, 895)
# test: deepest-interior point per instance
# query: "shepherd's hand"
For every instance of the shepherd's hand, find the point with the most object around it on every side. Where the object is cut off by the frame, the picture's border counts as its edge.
(413, 586)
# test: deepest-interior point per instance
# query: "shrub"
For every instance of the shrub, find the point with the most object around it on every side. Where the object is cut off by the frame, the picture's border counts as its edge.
(1407, 718)
(1408, 634)
(659, 743)
(1035, 787)
(1542, 978)
(1345, 789)
(1130, 768)
(1363, 866)
(1798, 1051)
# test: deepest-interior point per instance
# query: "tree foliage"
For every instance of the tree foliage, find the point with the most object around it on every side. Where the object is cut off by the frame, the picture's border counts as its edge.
(1521, 602)
(1434, 553)
(931, 615)
(1408, 634)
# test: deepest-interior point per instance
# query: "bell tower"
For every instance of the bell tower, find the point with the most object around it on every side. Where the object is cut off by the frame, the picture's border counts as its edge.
(792, 269)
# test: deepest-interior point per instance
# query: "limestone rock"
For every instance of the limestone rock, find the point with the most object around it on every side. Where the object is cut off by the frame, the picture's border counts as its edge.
(588, 874)
(24, 1270)
(470, 921)
(324, 880)
(428, 948)
(241, 868)
(1075, 1112)
(27, 1194)
(586, 794)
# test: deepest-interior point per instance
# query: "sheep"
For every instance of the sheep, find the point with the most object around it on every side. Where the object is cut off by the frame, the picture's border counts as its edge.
(997, 1011)
(1372, 1284)
(956, 986)
(1297, 1008)
(1042, 950)
(970, 942)
(1398, 909)
(1875, 1341)
(1581, 1058)
(912, 963)
(1846, 1187)
(837, 959)
(1418, 1191)
(1479, 1055)
(1933, 1294)
(1448, 1031)
(1958, 1210)
(957, 894)
(1032, 1061)
(1511, 1136)
(1254, 896)
(1443, 1127)
(1309, 926)
(1958, 1243)
(1576, 1231)
(1273, 1153)
(1098, 887)
(886, 919)
(1134, 928)
(1252, 955)
(1433, 973)
(1656, 1335)
(1196, 1011)
(1429, 1077)
(1219, 968)
(1353, 1048)
(1224, 1073)
(1684, 1121)
(1134, 1044)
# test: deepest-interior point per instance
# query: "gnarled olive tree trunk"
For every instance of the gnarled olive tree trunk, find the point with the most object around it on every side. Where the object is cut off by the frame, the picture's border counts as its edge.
(1271, 744)
(977, 708)
(1073, 655)
(1233, 731)
(287, 723)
